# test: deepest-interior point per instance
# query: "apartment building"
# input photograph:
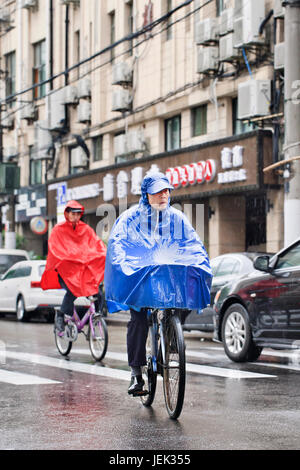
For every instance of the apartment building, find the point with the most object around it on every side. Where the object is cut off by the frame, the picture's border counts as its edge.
(97, 93)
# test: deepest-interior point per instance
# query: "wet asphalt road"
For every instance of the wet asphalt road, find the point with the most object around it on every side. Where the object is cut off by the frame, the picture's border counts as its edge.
(48, 402)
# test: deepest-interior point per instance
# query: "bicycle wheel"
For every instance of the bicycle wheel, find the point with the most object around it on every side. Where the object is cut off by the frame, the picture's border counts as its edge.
(99, 340)
(149, 375)
(174, 367)
(63, 344)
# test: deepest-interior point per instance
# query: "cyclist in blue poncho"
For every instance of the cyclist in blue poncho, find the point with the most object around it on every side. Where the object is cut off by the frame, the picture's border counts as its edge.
(155, 259)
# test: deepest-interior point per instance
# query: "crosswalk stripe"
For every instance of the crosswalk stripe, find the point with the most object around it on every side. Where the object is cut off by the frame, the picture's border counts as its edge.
(98, 369)
(18, 378)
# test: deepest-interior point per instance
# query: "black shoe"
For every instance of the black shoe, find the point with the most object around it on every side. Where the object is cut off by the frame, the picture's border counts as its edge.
(60, 323)
(136, 386)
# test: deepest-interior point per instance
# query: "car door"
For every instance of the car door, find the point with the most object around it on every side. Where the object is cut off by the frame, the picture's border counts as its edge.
(7, 286)
(286, 304)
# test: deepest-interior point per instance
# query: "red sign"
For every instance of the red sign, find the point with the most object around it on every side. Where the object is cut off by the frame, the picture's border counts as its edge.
(182, 176)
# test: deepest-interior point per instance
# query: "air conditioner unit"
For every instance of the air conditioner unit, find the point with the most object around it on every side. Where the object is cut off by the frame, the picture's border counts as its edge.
(70, 2)
(279, 56)
(227, 52)
(278, 9)
(208, 59)
(135, 141)
(206, 31)
(57, 109)
(121, 100)
(4, 15)
(9, 153)
(42, 141)
(246, 27)
(120, 145)
(78, 158)
(28, 112)
(84, 111)
(121, 73)
(84, 88)
(71, 95)
(254, 97)
(226, 21)
(29, 4)
(7, 120)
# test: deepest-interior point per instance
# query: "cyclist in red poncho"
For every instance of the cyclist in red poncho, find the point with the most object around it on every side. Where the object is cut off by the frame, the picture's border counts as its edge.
(75, 261)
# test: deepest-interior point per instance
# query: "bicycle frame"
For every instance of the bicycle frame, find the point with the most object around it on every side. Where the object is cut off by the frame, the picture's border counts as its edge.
(80, 324)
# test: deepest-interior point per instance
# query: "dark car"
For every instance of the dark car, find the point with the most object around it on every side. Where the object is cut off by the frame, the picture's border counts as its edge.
(261, 309)
(225, 268)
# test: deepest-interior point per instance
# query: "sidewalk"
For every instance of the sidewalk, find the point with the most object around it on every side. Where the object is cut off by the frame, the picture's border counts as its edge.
(119, 318)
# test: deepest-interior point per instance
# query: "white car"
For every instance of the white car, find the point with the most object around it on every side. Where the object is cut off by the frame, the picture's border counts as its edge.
(20, 292)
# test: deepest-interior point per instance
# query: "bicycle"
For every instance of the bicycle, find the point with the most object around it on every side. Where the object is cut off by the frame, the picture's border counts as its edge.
(165, 356)
(97, 334)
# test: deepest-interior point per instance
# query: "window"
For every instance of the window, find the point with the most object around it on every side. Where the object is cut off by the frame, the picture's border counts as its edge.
(290, 258)
(172, 133)
(10, 80)
(97, 148)
(238, 127)
(199, 120)
(220, 6)
(112, 35)
(35, 175)
(39, 68)
(129, 10)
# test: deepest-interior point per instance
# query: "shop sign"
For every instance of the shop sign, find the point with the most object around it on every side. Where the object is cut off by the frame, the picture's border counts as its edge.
(193, 173)
(30, 203)
(231, 160)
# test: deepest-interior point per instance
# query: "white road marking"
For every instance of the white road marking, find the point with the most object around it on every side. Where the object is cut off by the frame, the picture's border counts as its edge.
(196, 368)
(18, 378)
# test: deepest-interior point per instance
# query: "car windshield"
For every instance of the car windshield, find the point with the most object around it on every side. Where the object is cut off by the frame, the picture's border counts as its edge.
(6, 261)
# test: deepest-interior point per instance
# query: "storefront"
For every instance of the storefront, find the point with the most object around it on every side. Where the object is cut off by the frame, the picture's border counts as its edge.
(220, 186)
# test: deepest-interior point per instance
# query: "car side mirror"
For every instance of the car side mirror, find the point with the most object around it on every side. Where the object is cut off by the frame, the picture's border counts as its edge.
(262, 263)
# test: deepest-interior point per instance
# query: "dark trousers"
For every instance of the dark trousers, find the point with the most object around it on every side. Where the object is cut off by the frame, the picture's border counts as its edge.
(67, 305)
(137, 332)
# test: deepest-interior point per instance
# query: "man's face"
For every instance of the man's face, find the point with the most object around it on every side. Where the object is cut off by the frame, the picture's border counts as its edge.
(74, 217)
(159, 201)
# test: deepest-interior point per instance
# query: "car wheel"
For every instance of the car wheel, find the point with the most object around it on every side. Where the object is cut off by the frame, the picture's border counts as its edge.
(21, 311)
(237, 335)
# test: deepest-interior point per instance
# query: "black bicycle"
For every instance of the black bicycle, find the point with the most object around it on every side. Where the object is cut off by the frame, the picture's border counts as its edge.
(165, 356)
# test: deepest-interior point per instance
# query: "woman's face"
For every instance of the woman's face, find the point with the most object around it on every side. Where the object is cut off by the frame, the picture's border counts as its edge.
(74, 217)
(159, 201)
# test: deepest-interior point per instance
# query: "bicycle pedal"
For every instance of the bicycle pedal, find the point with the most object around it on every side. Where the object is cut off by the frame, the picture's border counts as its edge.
(140, 393)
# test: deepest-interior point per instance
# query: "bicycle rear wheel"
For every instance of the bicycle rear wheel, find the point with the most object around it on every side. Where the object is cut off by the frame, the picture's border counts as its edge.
(98, 341)
(148, 372)
(174, 367)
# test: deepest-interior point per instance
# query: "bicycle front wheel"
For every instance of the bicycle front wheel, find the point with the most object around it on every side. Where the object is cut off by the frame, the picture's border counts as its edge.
(63, 344)
(174, 367)
(148, 372)
(98, 337)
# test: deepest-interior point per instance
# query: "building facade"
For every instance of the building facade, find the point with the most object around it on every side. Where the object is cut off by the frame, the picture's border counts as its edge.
(96, 93)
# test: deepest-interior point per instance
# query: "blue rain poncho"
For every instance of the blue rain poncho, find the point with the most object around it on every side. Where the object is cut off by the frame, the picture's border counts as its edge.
(155, 259)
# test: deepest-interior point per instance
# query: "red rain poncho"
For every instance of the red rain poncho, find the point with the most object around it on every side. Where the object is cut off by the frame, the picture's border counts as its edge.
(77, 255)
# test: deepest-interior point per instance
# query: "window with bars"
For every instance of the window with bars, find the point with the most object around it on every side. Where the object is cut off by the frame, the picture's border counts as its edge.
(238, 126)
(39, 69)
(35, 172)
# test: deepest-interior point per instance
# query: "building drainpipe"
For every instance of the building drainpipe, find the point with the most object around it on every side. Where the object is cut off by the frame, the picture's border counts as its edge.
(292, 119)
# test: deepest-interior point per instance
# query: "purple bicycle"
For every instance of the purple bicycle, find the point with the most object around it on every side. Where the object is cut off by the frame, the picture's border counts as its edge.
(96, 333)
